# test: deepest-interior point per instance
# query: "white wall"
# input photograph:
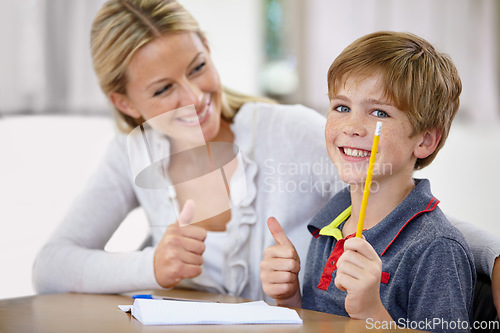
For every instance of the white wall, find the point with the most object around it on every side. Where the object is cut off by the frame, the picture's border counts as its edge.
(467, 30)
(465, 176)
(45, 60)
(45, 161)
(234, 32)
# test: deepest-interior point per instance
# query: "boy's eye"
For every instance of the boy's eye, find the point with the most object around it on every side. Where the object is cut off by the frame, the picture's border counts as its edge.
(162, 90)
(380, 114)
(342, 108)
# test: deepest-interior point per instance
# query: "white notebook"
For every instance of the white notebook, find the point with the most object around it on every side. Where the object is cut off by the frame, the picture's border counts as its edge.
(164, 312)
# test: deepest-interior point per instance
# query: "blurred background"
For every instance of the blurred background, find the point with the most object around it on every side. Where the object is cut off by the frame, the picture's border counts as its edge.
(55, 123)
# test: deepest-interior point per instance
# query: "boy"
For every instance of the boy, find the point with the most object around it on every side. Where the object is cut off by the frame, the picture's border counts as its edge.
(411, 265)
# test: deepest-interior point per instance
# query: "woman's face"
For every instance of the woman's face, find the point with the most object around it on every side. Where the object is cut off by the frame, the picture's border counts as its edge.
(173, 84)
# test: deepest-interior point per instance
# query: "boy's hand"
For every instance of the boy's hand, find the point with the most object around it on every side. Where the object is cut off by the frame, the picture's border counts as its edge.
(179, 253)
(359, 270)
(280, 268)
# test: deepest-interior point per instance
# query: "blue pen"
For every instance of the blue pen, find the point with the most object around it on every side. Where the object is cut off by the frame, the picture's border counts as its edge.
(149, 296)
(143, 296)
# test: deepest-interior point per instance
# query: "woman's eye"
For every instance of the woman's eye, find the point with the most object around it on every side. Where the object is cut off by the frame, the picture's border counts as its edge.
(162, 90)
(380, 114)
(342, 108)
(199, 67)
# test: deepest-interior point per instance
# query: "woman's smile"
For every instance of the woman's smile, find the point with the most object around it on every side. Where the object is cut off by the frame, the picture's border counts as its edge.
(198, 119)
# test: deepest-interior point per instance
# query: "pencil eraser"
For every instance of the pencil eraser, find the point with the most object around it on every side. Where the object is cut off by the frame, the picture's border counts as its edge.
(378, 129)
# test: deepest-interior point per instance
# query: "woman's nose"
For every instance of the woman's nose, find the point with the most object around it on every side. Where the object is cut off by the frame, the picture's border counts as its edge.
(191, 94)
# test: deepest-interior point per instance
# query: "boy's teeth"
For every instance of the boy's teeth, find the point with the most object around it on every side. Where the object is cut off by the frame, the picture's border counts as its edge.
(356, 152)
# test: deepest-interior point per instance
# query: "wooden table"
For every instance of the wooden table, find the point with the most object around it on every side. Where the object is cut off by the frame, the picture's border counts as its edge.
(99, 313)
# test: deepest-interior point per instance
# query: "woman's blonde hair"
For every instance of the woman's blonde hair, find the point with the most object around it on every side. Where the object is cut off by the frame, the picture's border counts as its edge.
(122, 27)
(419, 80)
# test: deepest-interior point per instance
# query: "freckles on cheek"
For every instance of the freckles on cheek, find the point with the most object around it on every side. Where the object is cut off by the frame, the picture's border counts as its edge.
(329, 126)
(330, 132)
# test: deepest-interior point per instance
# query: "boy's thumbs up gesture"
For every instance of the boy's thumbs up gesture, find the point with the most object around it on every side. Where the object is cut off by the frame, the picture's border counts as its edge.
(280, 268)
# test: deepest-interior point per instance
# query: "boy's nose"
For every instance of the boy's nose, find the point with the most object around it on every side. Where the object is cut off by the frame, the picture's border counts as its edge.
(355, 126)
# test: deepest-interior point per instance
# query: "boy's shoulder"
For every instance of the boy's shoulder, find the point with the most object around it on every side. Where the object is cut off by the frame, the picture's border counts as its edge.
(434, 230)
(436, 225)
(417, 222)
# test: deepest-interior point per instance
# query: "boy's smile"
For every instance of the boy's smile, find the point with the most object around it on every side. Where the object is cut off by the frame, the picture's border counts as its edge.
(354, 112)
(354, 154)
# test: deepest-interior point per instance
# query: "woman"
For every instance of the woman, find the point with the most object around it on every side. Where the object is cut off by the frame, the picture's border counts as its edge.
(152, 61)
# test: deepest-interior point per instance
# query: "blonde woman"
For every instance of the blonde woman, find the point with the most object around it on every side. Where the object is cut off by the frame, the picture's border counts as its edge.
(151, 57)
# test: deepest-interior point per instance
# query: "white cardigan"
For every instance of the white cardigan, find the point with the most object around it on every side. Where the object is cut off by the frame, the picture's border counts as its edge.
(288, 175)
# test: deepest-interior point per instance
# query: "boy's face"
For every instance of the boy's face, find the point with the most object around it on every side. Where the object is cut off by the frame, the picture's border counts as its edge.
(354, 112)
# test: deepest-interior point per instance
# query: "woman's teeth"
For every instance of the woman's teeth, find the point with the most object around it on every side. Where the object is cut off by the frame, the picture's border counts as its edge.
(194, 118)
(356, 152)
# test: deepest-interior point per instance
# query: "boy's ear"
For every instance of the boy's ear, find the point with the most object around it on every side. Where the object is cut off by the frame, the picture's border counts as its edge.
(428, 143)
(122, 103)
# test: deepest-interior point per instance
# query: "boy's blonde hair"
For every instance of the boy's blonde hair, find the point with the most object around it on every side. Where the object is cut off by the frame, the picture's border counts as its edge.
(122, 27)
(419, 80)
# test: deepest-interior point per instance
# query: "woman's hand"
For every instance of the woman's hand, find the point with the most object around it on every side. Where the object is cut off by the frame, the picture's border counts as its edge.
(179, 253)
(359, 270)
(280, 268)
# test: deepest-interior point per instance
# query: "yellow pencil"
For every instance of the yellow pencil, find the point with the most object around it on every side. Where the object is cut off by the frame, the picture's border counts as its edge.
(369, 177)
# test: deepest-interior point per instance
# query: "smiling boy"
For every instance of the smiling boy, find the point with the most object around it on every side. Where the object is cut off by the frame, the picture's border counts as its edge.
(412, 264)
